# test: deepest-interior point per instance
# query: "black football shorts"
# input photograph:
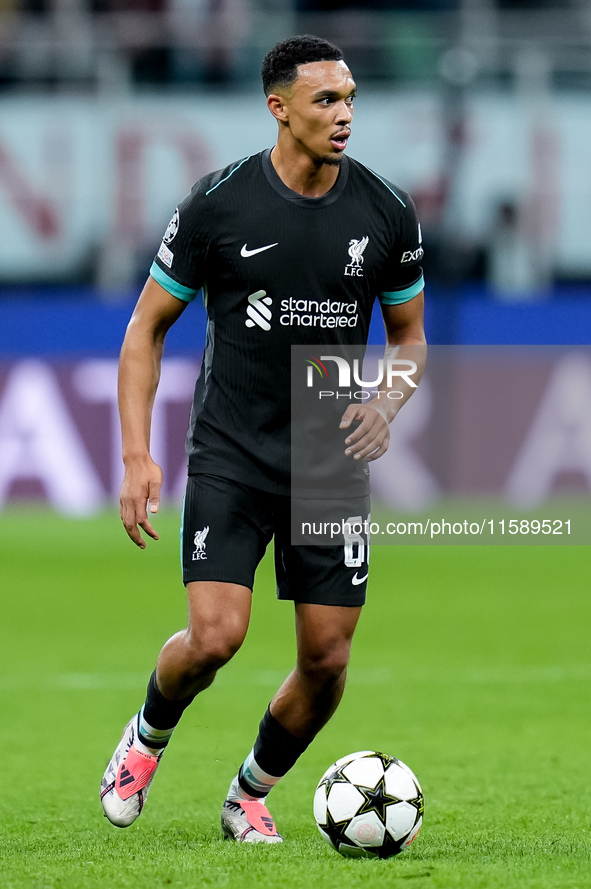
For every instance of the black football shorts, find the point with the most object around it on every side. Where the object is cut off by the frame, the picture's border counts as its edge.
(226, 527)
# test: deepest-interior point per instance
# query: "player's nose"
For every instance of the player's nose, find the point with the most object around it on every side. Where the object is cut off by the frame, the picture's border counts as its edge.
(344, 113)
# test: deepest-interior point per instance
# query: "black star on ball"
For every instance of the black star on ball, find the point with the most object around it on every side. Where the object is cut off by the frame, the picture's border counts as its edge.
(336, 777)
(385, 759)
(419, 803)
(376, 799)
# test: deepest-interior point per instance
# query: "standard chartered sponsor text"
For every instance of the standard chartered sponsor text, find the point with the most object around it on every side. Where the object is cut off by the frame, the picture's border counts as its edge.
(318, 313)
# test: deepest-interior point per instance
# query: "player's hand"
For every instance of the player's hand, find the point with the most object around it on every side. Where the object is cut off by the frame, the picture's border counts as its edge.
(141, 487)
(371, 437)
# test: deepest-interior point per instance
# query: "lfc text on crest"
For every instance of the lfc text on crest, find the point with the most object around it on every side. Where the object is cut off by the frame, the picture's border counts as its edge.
(199, 541)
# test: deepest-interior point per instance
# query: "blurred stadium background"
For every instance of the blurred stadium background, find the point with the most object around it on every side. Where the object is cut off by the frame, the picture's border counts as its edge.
(110, 110)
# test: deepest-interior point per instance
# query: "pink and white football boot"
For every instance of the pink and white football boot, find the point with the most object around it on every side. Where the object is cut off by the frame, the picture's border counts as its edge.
(127, 779)
(248, 821)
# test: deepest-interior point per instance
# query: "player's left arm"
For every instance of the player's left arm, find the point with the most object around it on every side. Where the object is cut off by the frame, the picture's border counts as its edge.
(406, 347)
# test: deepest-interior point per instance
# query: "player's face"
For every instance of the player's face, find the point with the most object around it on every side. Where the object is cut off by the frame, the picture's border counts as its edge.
(319, 110)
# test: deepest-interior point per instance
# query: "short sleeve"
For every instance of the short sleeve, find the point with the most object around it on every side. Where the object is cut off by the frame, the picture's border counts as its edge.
(402, 278)
(179, 266)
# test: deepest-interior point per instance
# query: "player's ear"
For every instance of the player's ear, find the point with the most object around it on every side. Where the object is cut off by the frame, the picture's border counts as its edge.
(277, 107)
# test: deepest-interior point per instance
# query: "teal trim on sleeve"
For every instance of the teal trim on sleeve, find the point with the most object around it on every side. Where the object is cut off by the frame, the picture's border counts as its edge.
(179, 290)
(383, 181)
(231, 173)
(403, 296)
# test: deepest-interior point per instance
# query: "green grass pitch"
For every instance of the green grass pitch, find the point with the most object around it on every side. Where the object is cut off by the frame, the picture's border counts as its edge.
(471, 664)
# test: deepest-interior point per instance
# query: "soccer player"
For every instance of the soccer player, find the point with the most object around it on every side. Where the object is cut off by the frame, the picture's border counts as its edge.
(291, 246)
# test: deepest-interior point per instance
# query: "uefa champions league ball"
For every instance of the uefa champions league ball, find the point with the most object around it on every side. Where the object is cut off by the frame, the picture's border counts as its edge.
(368, 805)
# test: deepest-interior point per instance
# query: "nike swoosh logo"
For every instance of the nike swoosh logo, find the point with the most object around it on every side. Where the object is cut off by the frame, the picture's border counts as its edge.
(357, 580)
(246, 253)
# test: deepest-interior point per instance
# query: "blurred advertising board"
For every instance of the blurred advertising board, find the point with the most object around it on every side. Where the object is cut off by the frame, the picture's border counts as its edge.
(90, 184)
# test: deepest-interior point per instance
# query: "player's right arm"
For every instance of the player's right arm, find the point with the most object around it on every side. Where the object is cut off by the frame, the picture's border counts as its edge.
(139, 374)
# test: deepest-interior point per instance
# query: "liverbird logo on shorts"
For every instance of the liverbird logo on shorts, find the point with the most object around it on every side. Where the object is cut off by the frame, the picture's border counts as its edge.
(199, 541)
(356, 248)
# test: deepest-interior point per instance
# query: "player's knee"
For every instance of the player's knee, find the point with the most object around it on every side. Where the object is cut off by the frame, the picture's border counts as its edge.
(325, 667)
(212, 647)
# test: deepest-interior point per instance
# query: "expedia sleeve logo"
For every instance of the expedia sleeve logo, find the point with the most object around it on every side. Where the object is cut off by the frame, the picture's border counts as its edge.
(412, 255)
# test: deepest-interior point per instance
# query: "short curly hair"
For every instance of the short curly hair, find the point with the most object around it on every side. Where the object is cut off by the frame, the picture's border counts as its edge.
(280, 65)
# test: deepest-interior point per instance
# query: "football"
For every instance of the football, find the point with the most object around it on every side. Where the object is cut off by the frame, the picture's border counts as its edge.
(368, 805)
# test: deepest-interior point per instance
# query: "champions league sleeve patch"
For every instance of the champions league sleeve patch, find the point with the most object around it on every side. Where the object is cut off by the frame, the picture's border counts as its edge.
(171, 229)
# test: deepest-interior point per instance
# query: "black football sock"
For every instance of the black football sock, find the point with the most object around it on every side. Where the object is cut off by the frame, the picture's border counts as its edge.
(158, 717)
(274, 753)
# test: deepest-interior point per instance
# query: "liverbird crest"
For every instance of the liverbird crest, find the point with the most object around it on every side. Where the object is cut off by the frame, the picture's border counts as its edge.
(356, 248)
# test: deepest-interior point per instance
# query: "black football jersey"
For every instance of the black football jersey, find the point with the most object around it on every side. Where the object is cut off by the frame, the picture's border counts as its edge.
(278, 269)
